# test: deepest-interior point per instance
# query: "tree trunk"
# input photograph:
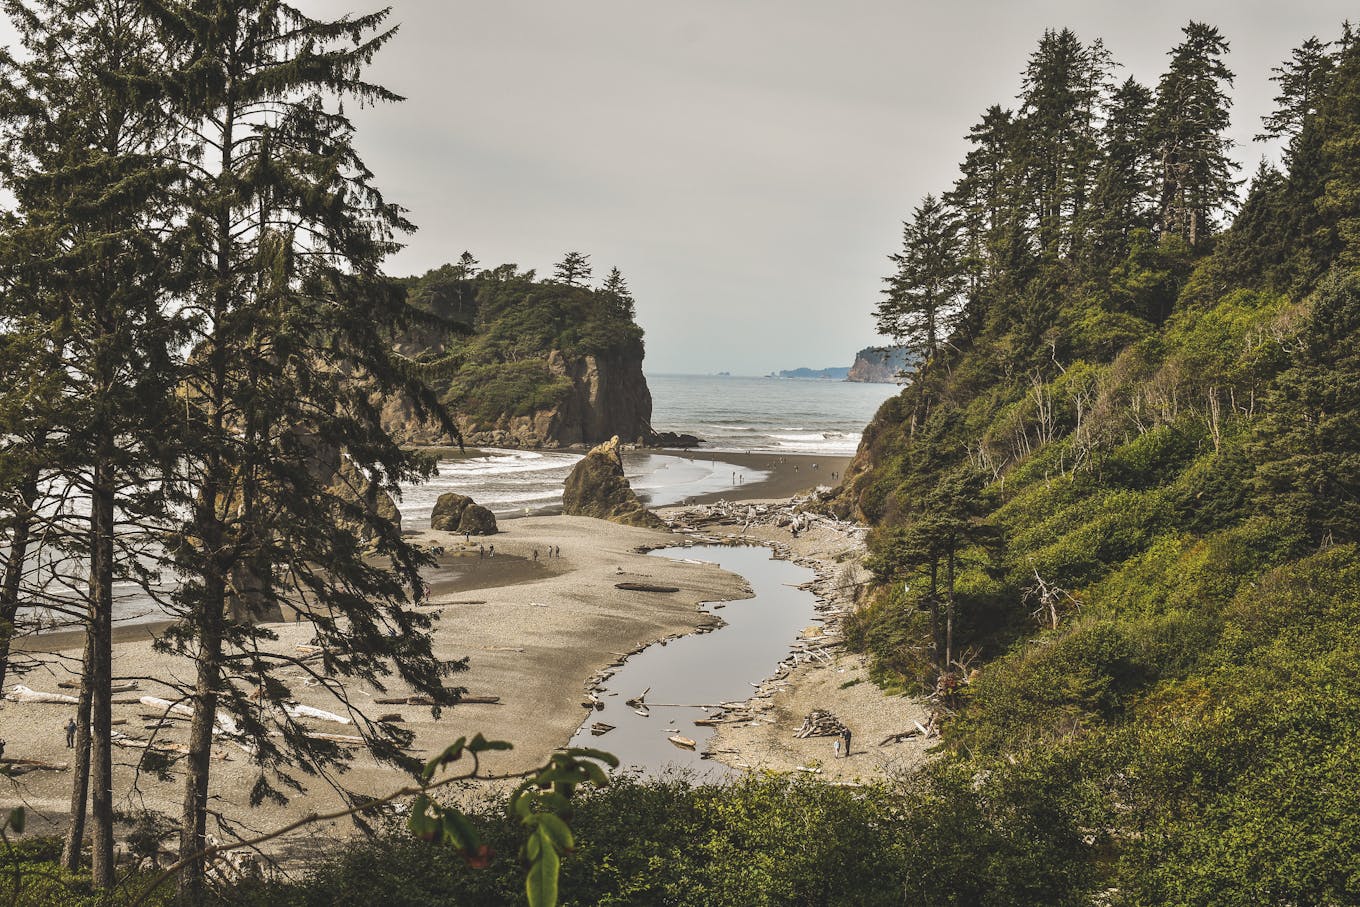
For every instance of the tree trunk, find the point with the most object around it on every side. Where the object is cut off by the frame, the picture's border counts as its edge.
(100, 669)
(80, 779)
(18, 558)
(194, 815)
(936, 630)
(949, 610)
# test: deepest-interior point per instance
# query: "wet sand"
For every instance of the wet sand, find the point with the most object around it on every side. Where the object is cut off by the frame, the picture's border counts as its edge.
(534, 634)
(789, 474)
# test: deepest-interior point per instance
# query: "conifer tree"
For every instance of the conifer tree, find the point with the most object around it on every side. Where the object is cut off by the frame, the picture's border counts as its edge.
(1121, 201)
(1302, 81)
(615, 289)
(922, 301)
(81, 155)
(573, 270)
(987, 199)
(467, 265)
(281, 455)
(1061, 103)
(1188, 124)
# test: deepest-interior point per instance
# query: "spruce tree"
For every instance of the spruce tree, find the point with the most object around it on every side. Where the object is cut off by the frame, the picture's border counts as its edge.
(1122, 199)
(615, 289)
(1061, 102)
(81, 155)
(281, 455)
(923, 298)
(573, 270)
(1188, 128)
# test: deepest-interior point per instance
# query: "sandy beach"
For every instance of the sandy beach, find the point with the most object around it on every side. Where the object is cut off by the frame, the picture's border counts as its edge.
(535, 632)
(788, 474)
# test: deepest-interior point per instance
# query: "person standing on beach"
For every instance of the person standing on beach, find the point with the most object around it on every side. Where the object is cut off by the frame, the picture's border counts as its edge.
(481, 552)
(71, 734)
(845, 737)
(535, 555)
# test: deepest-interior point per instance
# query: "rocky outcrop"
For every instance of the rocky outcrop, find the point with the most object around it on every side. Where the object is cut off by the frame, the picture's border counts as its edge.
(597, 487)
(672, 440)
(448, 510)
(602, 396)
(478, 520)
(878, 365)
(459, 513)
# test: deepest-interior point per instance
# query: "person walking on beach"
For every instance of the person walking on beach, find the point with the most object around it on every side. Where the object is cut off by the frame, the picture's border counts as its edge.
(491, 552)
(481, 552)
(845, 737)
(535, 555)
(71, 734)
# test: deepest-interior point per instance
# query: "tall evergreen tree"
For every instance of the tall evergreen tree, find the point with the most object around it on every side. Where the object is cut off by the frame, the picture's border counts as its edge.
(615, 289)
(83, 139)
(987, 199)
(1060, 106)
(1302, 81)
(573, 270)
(281, 456)
(1188, 128)
(923, 298)
(1122, 199)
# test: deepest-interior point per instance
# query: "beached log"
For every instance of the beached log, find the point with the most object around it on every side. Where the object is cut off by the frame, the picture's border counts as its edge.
(16, 767)
(426, 700)
(599, 729)
(645, 587)
(306, 711)
(225, 723)
(120, 686)
(898, 738)
(21, 693)
(682, 741)
(390, 717)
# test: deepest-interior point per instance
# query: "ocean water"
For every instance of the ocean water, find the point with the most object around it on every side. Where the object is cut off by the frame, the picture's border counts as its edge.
(775, 415)
(764, 415)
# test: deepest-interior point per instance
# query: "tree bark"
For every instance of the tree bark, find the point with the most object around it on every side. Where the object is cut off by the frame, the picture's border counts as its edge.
(80, 779)
(18, 558)
(100, 669)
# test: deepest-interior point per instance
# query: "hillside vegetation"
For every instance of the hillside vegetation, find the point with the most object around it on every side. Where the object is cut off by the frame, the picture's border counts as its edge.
(1116, 512)
(503, 341)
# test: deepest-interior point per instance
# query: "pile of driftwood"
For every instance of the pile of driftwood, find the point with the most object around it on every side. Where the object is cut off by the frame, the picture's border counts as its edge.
(799, 515)
(819, 723)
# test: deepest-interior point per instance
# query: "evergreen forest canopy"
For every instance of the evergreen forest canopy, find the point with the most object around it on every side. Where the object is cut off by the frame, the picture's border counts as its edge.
(485, 350)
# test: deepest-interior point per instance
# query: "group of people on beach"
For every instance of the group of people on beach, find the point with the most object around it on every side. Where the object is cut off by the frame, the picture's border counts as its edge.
(842, 744)
(553, 551)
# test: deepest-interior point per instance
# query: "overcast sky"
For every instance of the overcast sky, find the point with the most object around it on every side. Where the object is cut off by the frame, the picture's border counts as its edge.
(746, 163)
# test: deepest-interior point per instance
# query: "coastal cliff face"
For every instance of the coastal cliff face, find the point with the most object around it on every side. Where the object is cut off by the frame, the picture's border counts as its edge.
(524, 363)
(875, 365)
(595, 398)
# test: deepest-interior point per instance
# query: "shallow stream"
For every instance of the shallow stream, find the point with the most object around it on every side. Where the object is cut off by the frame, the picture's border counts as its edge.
(704, 669)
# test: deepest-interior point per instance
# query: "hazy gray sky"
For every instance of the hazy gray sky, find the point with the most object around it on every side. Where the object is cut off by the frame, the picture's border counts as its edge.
(746, 163)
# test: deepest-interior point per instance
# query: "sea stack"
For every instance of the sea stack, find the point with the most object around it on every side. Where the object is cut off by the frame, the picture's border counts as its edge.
(597, 487)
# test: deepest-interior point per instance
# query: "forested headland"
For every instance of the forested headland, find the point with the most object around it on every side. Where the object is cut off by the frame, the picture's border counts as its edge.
(523, 361)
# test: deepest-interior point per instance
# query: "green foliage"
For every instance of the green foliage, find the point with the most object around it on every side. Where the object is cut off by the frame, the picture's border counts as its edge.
(1167, 421)
(490, 347)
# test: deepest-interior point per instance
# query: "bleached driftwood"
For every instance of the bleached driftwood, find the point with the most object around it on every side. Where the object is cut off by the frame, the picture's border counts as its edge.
(21, 693)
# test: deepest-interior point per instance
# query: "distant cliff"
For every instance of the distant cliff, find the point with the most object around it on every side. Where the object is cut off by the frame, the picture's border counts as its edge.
(833, 374)
(878, 365)
(522, 362)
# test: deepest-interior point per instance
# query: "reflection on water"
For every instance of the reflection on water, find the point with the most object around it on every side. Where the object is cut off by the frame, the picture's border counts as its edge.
(704, 669)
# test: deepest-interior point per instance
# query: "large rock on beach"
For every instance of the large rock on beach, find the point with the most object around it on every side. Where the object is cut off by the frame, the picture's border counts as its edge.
(459, 513)
(477, 520)
(448, 511)
(597, 487)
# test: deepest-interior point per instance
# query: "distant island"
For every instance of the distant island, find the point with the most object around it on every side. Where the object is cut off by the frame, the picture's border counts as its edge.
(873, 365)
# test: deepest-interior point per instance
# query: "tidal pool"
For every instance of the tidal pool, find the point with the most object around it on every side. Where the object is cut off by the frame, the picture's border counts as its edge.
(703, 669)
